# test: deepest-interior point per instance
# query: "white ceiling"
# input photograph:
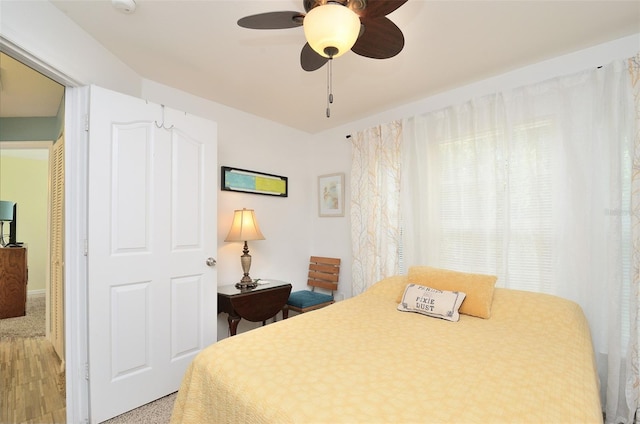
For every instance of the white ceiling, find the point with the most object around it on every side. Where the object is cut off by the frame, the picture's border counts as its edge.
(196, 46)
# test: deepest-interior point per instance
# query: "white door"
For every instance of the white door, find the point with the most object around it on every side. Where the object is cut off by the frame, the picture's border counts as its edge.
(152, 226)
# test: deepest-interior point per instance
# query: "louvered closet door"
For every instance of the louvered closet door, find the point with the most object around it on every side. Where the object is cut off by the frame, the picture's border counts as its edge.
(56, 299)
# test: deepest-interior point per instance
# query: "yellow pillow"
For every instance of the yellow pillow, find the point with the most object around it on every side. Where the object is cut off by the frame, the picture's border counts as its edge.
(478, 287)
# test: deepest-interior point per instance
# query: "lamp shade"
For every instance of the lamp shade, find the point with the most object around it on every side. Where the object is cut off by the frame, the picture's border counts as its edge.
(244, 226)
(6, 210)
(331, 26)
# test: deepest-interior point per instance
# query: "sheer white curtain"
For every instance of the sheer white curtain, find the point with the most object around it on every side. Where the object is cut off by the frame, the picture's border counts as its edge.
(534, 185)
(375, 204)
(453, 184)
(633, 359)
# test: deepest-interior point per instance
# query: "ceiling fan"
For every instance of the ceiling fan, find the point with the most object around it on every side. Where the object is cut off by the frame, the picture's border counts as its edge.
(333, 27)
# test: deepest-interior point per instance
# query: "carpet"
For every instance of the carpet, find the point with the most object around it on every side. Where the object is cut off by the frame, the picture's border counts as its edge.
(33, 324)
(157, 412)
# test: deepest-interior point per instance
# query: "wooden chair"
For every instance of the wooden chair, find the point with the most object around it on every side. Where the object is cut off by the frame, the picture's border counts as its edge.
(324, 274)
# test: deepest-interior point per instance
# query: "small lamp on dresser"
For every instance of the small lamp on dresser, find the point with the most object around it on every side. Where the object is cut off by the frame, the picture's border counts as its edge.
(245, 228)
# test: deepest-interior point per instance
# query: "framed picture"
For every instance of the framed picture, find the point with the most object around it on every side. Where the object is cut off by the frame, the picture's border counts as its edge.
(236, 179)
(331, 195)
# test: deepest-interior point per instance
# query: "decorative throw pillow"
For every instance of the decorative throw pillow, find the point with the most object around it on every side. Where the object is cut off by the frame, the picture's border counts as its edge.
(477, 287)
(431, 302)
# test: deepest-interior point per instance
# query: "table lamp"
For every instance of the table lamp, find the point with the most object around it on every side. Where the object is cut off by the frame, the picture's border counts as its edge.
(6, 215)
(244, 228)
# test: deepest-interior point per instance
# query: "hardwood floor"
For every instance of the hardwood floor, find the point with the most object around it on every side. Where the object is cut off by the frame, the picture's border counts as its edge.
(31, 385)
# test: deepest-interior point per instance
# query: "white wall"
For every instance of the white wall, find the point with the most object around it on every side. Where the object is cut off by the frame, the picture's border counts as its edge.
(331, 235)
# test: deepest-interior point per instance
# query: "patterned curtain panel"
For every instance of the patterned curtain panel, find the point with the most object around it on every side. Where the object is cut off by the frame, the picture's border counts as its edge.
(633, 359)
(375, 204)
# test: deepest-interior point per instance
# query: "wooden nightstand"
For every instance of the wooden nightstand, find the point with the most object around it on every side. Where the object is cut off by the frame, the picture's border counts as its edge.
(255, 305)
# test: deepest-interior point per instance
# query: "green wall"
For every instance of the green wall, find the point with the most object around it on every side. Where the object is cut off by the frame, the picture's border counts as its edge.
(26, 181)
(30, 129)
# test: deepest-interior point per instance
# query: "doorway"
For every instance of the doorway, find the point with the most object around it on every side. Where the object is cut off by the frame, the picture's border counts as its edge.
(31, 123)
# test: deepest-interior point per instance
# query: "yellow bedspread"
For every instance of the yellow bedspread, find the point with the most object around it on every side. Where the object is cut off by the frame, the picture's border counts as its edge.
(362, 361)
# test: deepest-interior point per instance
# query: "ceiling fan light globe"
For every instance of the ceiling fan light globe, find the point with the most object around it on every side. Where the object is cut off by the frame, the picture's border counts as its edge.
(331, 26)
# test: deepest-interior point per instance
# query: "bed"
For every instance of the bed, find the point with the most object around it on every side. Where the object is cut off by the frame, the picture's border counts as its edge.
(362, 360)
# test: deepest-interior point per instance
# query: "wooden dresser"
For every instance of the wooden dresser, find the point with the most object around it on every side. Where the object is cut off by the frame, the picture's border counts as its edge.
(13, 282)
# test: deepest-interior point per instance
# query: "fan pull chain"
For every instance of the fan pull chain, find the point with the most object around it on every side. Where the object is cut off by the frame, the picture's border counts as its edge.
(329, 87)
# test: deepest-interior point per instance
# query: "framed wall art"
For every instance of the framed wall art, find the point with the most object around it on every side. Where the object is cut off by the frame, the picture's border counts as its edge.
(331, 195)
(243, 180)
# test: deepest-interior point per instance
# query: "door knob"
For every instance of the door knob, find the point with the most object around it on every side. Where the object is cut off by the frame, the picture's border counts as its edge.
(211, 262)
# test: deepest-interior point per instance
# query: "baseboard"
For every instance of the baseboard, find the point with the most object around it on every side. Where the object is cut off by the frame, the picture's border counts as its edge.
(40, 292)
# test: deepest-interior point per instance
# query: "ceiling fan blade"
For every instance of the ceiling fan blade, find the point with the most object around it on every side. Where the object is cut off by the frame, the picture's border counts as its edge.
(310, 4)
(381, 39)
(272, 20)
(379, 8)
(310, 60)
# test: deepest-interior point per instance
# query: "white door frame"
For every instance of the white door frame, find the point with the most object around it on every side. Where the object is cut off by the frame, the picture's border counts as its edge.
(75, 251)
(76, 106)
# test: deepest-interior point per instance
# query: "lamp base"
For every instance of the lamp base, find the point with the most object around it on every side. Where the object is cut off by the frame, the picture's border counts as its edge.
(3, 243)
(246, 286)
(246, 282)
